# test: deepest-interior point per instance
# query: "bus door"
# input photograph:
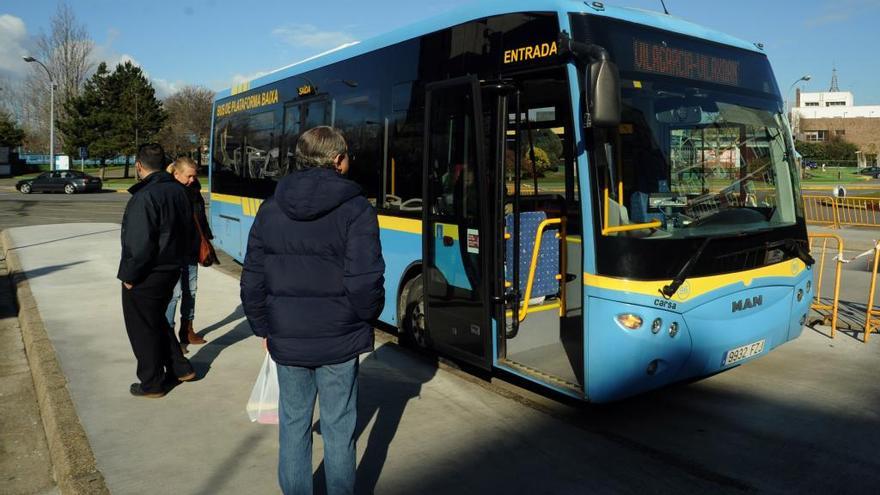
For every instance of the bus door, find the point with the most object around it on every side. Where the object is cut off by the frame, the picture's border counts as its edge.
(457, 239)
(541, 243)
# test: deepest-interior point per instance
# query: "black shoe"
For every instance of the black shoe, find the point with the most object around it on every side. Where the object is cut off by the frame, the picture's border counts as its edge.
(137, 391)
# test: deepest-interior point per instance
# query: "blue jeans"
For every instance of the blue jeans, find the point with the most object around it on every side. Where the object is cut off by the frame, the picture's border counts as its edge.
(337, 386)
(186, 287)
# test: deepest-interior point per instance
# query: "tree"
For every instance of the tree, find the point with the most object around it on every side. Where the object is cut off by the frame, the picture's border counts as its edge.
(139, 114)
(188, 127)
(11, 134)
(66, 50)
(90, 119)
(528, 169)
(548, 141)
(116, 112)
(834, 150)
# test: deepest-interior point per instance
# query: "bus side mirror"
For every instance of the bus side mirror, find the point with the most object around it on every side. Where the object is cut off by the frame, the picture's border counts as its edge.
(605, 94)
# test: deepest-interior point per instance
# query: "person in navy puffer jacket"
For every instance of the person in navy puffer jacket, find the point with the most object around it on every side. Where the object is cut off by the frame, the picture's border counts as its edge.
(311, 285)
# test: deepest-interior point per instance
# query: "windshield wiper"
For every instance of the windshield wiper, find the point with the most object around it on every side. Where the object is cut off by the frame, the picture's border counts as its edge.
(669, 290)
(793, 246)
(797, 248)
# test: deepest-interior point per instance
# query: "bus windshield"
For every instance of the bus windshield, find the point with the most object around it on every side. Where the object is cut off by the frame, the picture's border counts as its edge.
(694, 161)
(702, 151)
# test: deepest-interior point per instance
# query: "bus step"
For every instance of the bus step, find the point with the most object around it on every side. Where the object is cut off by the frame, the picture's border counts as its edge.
(555, 380)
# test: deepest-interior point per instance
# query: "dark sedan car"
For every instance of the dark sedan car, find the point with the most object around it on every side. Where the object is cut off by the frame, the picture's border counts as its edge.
(872, 171)
(66, 181)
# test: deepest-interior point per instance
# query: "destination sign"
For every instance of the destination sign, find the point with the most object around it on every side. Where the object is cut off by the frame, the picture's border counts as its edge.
(677, 62)
(249, 102)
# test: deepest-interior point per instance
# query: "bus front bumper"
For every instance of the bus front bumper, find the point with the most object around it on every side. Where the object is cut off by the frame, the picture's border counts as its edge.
(709, 338)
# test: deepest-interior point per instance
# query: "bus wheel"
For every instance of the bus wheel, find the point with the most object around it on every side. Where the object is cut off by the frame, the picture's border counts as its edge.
(411, 314)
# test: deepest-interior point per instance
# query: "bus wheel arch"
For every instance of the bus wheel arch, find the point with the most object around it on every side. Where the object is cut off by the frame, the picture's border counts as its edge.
(411, 309)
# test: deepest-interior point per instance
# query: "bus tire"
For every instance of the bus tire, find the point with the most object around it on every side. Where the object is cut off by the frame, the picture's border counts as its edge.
(411, 314)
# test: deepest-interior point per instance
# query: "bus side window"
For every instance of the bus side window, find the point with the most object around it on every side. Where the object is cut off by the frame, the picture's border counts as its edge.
(359, 118)
(292, 130)
(403, 175)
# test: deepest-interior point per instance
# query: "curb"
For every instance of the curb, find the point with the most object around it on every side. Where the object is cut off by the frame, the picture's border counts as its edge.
(73, 461)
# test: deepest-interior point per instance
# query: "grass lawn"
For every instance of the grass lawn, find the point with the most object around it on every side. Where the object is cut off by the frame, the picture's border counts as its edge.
(119, 183)
(843, 175)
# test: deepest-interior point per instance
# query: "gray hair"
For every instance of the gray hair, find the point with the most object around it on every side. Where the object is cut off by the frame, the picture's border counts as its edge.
(318, 148)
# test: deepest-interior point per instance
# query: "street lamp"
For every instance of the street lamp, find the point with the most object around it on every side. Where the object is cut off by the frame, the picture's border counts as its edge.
(51, 111)
(805, 77)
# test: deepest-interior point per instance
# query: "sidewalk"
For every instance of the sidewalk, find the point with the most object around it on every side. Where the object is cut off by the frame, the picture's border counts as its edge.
(421, 430)
(856, 240)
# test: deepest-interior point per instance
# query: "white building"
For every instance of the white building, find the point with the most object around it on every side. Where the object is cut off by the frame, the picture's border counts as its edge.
(831, 104)
(826, 115)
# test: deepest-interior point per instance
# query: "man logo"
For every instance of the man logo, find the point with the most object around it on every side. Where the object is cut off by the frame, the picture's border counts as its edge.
(746, 303)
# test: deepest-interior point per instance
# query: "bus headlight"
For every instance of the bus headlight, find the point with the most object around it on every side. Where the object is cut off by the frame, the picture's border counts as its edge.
(630, 321)
(673, 329)
(800, 294)
(809, 285)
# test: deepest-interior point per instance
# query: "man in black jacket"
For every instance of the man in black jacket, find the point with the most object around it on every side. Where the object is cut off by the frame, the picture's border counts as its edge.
(311, 284)
(156, 237)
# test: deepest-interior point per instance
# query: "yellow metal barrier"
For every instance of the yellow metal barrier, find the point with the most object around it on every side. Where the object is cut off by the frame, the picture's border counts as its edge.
(821, 210)
(817, 303)
(872, 316)
(858, 211)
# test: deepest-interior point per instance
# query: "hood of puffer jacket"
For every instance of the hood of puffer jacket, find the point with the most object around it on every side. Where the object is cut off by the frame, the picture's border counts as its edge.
(314, 192)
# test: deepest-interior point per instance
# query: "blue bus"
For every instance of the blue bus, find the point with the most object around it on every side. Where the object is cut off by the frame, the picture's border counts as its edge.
(599, 200)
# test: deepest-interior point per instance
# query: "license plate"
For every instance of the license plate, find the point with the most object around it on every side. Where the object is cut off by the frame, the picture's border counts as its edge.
(739, 353)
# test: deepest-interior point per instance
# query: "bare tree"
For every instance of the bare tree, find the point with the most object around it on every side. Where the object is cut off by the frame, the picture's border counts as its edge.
(11, 97)
(187, 130)
(16, 98)
(66, 50)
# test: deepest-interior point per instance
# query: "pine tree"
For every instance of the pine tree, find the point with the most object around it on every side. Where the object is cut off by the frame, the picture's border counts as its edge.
(139, 114)
(90, 119)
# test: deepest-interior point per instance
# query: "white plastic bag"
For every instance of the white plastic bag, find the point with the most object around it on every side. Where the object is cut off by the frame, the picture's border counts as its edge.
(263, 404)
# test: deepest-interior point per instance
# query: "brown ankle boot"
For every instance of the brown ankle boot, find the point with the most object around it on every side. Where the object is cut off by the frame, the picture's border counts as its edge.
(191, 335)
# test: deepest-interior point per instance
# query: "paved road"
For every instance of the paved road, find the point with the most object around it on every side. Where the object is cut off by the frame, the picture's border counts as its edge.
(17, 210)
(803, 419)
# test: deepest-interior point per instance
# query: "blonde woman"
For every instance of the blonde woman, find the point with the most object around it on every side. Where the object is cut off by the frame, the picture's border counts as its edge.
(184, 171)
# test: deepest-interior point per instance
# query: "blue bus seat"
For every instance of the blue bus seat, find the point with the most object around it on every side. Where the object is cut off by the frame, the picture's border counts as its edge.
(545, 283)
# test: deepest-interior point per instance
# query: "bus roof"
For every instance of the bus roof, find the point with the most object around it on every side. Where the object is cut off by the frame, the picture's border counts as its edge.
(488, 8)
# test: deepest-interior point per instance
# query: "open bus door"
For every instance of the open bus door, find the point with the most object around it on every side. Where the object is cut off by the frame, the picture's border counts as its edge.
(540, 250)
(457, 234)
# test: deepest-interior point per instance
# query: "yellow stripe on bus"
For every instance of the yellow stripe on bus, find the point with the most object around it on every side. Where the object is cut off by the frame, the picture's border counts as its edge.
(697, 286)
(249, 206)
(226, 198)
(411, 225)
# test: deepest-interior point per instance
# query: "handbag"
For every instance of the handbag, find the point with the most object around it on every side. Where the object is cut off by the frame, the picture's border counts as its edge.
(207, 255)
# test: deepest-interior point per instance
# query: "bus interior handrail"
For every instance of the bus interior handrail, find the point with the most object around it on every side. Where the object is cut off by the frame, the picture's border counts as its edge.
(654, 224)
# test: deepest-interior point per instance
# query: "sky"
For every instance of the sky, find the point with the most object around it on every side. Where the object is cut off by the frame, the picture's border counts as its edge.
(216, 43)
